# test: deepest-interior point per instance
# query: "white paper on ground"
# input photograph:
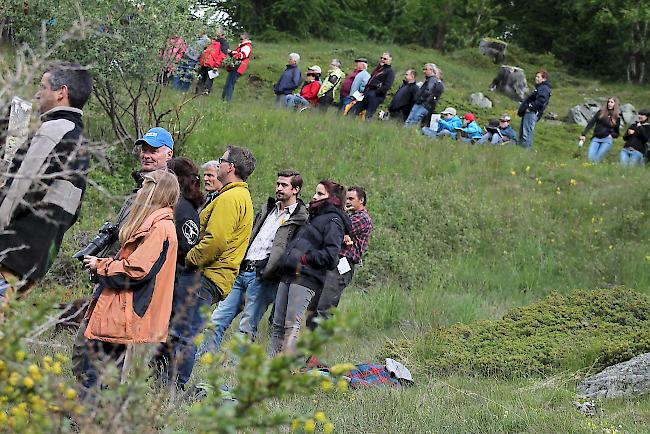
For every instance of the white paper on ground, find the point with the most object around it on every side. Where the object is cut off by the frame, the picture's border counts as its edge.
(213, 73)
(344, 265)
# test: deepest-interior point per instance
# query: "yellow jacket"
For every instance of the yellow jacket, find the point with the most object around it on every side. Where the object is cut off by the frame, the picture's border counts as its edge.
(226, 225)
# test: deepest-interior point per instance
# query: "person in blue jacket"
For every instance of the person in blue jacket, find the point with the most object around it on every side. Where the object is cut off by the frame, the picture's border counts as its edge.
(289, 81)
(499, 134)
(446, 125)
(471, 131)
(532, 108)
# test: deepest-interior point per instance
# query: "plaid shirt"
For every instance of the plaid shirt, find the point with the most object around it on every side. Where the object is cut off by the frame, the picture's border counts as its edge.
(361, 228)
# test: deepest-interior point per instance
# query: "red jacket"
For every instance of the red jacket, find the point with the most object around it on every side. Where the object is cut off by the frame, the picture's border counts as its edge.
(310, 92)
(212, 56)
(243, 53)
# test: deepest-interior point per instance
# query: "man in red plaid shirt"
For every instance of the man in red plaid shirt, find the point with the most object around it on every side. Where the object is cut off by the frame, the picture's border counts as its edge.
(354, 246)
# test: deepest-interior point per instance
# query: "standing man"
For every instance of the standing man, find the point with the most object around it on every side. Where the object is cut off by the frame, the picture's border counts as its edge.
(210, 182)
(404, 99)
(354, 246)
(226, 225)
(240, 58)
(427, 96)
(378, 86)
(257, 283)
(45, 182)
(289, 81)
(532, 108)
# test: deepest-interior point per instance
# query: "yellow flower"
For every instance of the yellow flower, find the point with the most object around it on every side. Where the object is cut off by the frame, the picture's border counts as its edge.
(2, 365)
(198, 340)
(573, 182)
(20, 355)
(320, 416)
(539, 181)
(341, 368)
(47, 359)
(14, 378)
(33, 370)
(3, 418)
(295, 424)
(207, 359)
(513, 173)
(56, 368)
(611, 247)
(328, 428)
(527, 168)
(28, 382)
(60, 357)
(310, 425)
(326, 385)
(342, 385)
(71, 393)
(647, 258)
(8, 390)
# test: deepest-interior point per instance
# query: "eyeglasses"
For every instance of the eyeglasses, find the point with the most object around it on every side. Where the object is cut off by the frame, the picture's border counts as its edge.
(385, 58)
(223, 160)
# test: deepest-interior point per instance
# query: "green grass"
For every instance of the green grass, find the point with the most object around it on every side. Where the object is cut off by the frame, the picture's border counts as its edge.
(461, 233)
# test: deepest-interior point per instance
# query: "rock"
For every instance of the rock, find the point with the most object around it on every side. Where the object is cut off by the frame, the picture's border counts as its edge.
(478, 99)
(581, 114)
(586, 408)
(494, 49)
(629, 114)
(511, 81)
(624, 379)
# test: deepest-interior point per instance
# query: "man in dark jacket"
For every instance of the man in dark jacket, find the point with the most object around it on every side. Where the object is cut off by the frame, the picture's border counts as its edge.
(636, 141)
(46, 181)
(257, 282)
(402, 103)
(378, 86)
(532, 108)
(427, 97)
(288, 81)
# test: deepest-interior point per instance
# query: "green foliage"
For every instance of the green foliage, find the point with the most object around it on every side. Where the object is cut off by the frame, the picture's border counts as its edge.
(584, 330)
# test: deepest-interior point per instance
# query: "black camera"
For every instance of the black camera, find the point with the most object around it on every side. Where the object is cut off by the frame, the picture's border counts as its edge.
(107, 235)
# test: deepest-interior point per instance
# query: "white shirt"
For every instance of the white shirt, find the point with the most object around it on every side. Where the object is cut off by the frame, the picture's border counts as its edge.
(261, 246)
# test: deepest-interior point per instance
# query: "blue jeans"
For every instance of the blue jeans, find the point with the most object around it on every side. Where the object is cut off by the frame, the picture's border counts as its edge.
(494, 139)
(281, 101)
(296, 102)
(418, 112)
(526, 129)
(631, 157)
(229, 87)
(429, 132)
(598, 148)
(259, 296)
(184, 75)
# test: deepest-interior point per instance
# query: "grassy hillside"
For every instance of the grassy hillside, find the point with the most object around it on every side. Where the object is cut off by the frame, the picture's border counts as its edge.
(462, 233)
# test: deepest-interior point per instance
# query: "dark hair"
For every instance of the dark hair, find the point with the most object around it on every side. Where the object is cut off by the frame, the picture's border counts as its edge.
(243, 160)
(188, 179)
(336, 192)
(412, 72)
(543, 73)
(75, 77)
(361, 193)
(296, 178)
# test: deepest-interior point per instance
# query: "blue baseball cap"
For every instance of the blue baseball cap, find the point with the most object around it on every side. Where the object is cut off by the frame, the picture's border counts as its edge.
(157, 137)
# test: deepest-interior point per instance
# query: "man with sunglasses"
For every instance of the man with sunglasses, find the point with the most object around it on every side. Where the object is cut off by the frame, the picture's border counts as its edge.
(379, 84)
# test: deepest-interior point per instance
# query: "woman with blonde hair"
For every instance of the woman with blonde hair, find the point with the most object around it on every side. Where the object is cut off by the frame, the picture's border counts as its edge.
(132, 302)
(606, 123)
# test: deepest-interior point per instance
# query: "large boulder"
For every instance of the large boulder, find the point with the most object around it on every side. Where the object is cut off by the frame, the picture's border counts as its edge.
(581, 114)
(494, 49)
(624, 379)
(511, 81)
(480, 100)
(629, 114)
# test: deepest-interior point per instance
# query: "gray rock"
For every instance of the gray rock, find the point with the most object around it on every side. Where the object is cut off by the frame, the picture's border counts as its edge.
(624, 379)
(511, 81)
(629, 114)
(478, 99)
(581, 114)
(496, 50)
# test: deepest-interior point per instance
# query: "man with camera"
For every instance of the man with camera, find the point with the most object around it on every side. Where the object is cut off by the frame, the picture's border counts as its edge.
(45, 182)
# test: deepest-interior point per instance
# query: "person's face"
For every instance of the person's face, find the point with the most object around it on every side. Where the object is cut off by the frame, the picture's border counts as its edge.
(47, 97)
(448, 116)
(538, 78)
(291, 61)
(643, 118)
(154, 158)
(359, 65)
(210, 180)
(225, 167)
(428, 71)
(408, 76)
(352, 201)
(333, 65)
(385, 59)
(610, 104)
(321, 193)
(309, 78)
(503, 124)
(284, 191)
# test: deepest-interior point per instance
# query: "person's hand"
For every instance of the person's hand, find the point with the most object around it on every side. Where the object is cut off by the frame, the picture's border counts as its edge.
(90, 262)
(631, 131)
(347, 240)
(582, 138)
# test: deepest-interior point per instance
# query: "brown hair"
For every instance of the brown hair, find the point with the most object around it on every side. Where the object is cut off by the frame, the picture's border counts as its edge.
(335, 191)
(543, 73)
(361, 193)
(604, 112)
(296, 178)
(188, 179)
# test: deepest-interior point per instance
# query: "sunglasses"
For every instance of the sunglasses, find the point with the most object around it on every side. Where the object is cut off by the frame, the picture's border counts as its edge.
(385, 58)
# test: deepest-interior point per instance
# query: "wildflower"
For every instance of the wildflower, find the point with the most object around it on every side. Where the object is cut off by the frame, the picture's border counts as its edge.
(70, 393)
(647, 258)
(33, 370)
(326, 385)
(14, 378)
(47, 359)
(527, 169)
(513, 173)
(198, 340)
(310, 425)
(28, 382)
(207, 359)
(3, 418)
(573, 182)
(611, 247)
(20, 355)
(342, 385)
(320, 416)
(8, 390)
(56, 368)
(341, 368)
(328, 428)
(539, 181)
(295, 424)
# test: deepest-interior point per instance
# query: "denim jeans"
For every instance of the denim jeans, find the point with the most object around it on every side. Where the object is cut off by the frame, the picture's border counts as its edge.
(598, 148)
(296, 102)
(184, 75)
(631, 157)
(229, 87)
(429, 132)
(418, 112)
(526, 129)
(494, 139)
(345, 101)
(281, 101)
(290, 305)
(259, 296)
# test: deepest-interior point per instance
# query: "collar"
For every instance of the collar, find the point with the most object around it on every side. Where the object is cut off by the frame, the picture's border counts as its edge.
(232, 185)
(290, 209)
(54, 110)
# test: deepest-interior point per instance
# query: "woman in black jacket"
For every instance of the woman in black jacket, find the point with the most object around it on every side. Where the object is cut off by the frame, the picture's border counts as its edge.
(606, 124)
(306, 261)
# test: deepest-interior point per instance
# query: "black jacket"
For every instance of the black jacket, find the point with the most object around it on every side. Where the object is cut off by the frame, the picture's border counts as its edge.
(638, 140)
(603, 126)
(186, 219)
(430, 93)
(537, 101)
(381, 80)
(37, 209)
(320, 242)
(404, 99)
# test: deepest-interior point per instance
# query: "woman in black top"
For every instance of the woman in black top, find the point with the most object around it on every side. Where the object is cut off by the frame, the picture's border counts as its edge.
(606, 124)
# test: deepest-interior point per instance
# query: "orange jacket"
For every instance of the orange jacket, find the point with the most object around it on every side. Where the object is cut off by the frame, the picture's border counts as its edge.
(137, 287)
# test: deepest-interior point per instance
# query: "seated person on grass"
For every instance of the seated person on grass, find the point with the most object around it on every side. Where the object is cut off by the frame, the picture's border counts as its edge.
(500, 133)
(309, 93)
(471, 131)
(447, 125)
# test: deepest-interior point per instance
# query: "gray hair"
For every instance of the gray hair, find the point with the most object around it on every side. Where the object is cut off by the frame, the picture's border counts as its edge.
(364, 65)
(212, 164)
(295, 57)
(337, 62)
(243, 160)
(75, 77)
(433, 66)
